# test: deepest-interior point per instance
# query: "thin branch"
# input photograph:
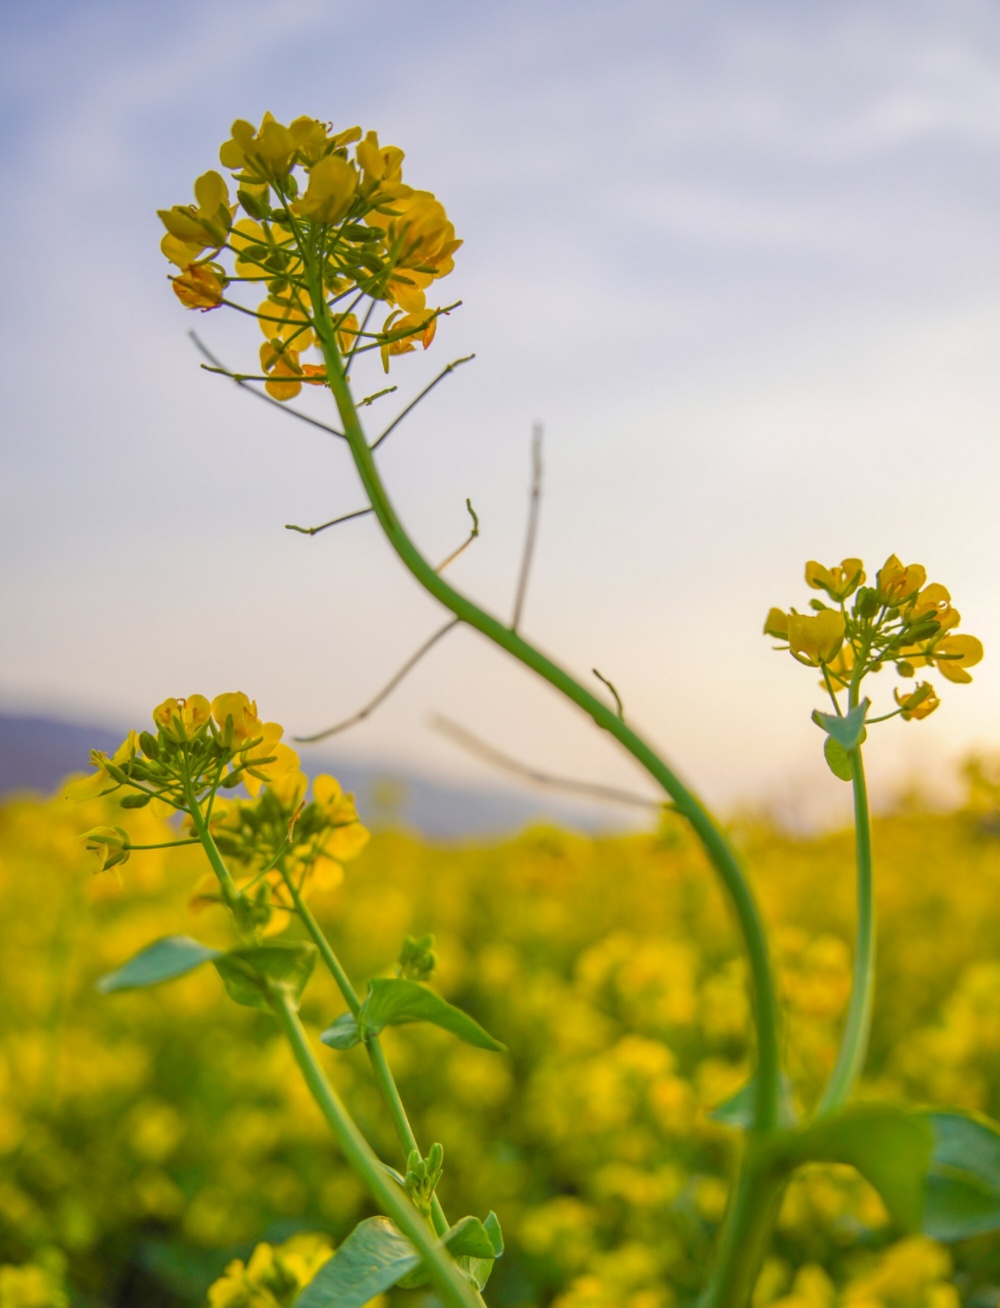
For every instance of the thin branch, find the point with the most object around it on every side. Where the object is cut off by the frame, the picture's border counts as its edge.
(594, 790)
(533, 510)
(311, 531)
(370, 399)
(386, 690)
(465, 543)
(617, 698)
(283, 408)
(426, 391)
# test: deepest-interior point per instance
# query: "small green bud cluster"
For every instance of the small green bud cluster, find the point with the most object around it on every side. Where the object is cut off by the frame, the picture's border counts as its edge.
(423, 1175)
(417, 959)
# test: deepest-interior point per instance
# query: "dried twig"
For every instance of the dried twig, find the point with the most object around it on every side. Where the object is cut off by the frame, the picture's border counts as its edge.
(592, 789)
(386, 690)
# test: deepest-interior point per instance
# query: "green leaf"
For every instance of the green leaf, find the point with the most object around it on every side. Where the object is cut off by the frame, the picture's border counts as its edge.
(376, 1256)
(479, 1269)
(373, 1258)
(392, 1001)
(738, 1111)
(889, 1146)
(962, 1193)
(342, 1033)
(161, 961)
(252, 976)
(492, 1228)
(848, 731)
(475, 1245)
(837, 759)
(470, 1237)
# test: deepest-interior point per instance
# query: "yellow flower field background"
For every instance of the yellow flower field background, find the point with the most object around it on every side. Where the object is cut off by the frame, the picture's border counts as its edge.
(151, 1139)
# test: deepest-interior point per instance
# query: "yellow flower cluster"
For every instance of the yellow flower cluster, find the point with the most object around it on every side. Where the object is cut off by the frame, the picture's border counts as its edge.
(327, 222)
(900, 620)
(271, 1278)
(226, 733)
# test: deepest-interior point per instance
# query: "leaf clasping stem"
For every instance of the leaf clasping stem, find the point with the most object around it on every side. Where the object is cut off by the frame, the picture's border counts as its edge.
(448, 1281)
(376, 1054)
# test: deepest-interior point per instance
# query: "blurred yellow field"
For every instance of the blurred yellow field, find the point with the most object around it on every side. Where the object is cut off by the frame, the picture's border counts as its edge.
(150, 1138)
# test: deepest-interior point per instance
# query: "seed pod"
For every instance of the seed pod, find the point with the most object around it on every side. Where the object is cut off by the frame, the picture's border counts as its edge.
(135, 801)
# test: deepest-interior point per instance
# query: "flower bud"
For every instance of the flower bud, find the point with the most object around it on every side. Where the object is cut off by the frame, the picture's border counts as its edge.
(149, 745)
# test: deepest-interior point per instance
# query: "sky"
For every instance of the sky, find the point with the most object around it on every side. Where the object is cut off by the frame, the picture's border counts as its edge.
(740, 260)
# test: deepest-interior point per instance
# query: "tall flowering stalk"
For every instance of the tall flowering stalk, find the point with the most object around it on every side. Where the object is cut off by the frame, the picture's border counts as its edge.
(346, 254)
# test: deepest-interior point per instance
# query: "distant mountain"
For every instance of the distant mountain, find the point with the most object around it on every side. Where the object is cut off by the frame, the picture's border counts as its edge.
(37, 752)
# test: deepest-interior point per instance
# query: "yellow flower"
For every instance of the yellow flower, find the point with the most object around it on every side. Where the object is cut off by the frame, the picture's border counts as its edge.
(279, 363)
(919, 703)
(838, 582)
(266, 154)
(107, 847)
(182, 719)
(273, 1277)
(894, 583)
(283, 759)
(816, 640)
(209, 223)
(953, 654)
(347, 837)
(379, 163)
(287, 318)
(776, 624)
(236, 716)
(405, 332)
(420, 243)
(290, 789)
(934, 601)
(182, 253)
(101, 781)
(265, 256)
(333, 184)
(198, 287)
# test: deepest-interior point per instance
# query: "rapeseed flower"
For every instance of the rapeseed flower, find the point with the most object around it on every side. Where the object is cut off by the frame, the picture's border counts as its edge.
(817, 639)
(838, 582)
(901, 620)
(316, 219)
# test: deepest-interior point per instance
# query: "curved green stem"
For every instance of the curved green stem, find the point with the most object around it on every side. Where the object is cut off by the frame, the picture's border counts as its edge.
(854, 1042)
(376, 1054)
(455, 1292)
(716, 846)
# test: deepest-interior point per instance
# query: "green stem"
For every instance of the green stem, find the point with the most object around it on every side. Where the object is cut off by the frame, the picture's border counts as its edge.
(716, 846)
(376, 1054)
(746, 1233)
(230, 890)
(454, 1290)
(448, 1281)
(854, 1042)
